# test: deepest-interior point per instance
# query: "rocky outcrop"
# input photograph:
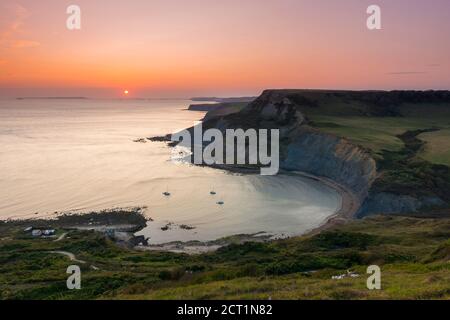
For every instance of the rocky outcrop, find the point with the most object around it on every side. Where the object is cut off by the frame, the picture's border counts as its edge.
(304, 148)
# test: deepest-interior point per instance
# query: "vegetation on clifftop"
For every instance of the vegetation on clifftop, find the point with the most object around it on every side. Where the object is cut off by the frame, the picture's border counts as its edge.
(406, 132)
(413, 253)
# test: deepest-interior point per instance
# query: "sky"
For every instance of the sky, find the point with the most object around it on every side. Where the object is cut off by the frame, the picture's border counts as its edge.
(184, 48)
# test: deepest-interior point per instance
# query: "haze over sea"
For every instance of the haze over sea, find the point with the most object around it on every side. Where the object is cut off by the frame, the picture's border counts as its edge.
(79, 156)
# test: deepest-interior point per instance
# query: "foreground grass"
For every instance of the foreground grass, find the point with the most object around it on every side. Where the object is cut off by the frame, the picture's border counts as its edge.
(414, 255)
(397, 284)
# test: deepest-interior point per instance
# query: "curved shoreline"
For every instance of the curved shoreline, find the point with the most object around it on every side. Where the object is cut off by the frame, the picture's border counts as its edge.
(115, 220)
(350, 201)
(349, 206)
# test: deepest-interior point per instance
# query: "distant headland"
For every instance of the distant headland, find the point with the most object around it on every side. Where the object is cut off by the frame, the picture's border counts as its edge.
(54, 98)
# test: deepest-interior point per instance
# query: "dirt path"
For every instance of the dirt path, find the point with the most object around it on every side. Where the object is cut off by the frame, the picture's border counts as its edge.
(70, 255)
(73, 258)
(61, 237)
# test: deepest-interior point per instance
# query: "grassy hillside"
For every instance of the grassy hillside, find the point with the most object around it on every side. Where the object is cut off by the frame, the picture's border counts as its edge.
(437, 149)
(414, 255)
(381, 133)
(406, 132)
(415, 167)
(371, 119)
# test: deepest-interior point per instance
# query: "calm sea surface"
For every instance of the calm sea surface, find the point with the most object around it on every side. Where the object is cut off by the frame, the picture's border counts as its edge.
(79, 155)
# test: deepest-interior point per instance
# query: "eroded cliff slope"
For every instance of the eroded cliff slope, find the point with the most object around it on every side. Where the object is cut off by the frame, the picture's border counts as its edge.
(385, 181)
(304, 148)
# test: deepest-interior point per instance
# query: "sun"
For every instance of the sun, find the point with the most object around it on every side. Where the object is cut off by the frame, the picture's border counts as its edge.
(125, 92)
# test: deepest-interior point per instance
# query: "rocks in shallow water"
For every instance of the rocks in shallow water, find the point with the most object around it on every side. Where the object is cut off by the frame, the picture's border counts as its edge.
(165, 138)
(140, 140)
(186, 227)
(169, 226)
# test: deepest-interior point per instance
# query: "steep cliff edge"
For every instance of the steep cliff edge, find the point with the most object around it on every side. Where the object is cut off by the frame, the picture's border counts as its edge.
(381, 167)
(331, 157)
(302, 147)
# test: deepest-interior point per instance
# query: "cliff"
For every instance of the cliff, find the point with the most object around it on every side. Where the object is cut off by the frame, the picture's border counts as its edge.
(316, 138)
(331, 157)
(304, 148)
(397, 181)
(215, 110)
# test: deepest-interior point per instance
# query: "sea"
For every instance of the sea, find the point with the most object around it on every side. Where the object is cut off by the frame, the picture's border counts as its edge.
(82, 155)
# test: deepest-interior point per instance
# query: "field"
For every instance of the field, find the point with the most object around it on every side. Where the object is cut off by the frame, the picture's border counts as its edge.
(378, 134)
(375, 125)
(411, 153)
(437, 149)
(413, 254)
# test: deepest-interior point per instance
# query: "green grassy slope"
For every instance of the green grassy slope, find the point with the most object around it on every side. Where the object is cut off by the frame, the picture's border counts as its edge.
(437, 149)
(413, 253)
(381, 133)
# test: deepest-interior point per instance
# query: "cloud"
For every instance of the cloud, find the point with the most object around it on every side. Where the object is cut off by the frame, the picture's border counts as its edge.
(24, 44)
(405, 73)
(11, 30)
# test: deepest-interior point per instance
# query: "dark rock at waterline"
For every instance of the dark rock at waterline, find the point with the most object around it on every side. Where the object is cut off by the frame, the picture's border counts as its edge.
(165, 138)
(186, 227)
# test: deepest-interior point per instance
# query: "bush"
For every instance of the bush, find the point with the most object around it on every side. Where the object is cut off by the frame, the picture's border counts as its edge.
(338, 240)
(172, 275)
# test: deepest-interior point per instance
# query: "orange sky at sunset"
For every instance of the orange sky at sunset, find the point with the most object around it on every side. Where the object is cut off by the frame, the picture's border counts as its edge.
(183, 48)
